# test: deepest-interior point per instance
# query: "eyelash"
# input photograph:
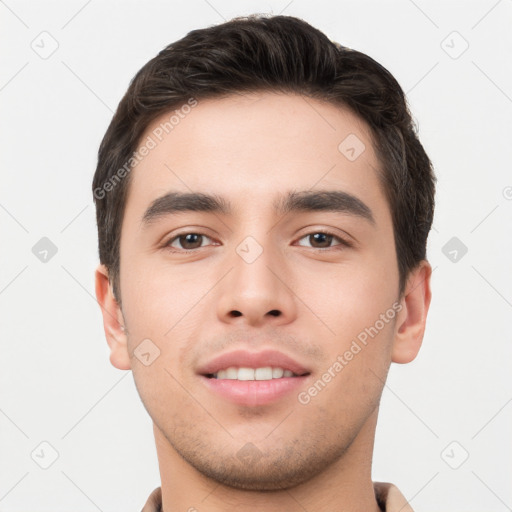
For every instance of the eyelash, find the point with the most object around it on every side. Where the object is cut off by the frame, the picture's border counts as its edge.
(343, 242)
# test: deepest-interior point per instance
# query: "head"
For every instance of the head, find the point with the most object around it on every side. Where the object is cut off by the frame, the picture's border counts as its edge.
(256, 116)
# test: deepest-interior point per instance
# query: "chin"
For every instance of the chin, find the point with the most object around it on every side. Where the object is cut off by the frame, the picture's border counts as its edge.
(251, 470)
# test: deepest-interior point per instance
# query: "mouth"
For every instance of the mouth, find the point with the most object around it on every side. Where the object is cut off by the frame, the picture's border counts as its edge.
(245, 373)
(245, 365)
(253, 379)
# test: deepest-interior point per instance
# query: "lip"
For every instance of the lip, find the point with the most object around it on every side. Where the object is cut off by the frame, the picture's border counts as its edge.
(252, 393)
(255, 392)
(243, 358)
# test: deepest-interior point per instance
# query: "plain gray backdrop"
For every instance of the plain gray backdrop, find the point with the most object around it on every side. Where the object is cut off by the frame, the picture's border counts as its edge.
(445, 421)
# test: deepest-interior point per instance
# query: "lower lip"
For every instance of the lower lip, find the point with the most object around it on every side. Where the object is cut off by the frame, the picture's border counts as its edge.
(254, 392)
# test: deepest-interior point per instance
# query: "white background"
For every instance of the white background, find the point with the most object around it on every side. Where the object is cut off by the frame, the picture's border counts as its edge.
(56, 382)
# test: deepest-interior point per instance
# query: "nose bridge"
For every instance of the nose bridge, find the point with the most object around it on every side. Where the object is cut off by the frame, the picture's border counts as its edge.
(253, 262)
(255, 288)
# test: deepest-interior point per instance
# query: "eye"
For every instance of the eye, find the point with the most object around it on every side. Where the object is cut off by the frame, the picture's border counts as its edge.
(323, 239)
(187, 241)
(191, 241)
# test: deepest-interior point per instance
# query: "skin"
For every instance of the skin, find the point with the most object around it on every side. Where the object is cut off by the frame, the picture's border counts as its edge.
(251, 149)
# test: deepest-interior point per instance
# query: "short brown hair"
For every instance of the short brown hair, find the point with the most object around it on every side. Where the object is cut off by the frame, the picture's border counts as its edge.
(280, 54)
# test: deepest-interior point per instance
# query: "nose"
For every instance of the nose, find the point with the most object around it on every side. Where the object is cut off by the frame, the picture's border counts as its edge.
(257, 290)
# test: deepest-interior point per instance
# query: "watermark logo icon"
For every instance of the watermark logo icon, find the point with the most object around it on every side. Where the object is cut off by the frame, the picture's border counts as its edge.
(455, 455)
(249, 454)
(249, 249)
(352, 147)
(44, 455)
(454, 45)
(147, 352)
(45, 45)
(454, 249)
(44, 250)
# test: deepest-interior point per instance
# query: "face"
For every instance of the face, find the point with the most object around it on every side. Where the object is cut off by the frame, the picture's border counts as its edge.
(310, 290)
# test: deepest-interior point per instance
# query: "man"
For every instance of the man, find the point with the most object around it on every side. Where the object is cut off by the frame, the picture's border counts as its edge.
(263, 205)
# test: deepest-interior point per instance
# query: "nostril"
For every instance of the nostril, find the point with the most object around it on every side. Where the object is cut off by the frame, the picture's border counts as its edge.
(235, 313)
(274, 312)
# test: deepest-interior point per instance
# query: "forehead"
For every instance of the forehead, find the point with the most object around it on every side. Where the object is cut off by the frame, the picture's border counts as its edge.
(258, 146)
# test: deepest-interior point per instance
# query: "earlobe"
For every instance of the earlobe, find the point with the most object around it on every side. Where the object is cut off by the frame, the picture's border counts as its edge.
(113, 321)
(410, 326)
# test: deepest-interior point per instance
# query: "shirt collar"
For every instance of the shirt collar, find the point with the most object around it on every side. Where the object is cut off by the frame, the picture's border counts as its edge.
(389, 498)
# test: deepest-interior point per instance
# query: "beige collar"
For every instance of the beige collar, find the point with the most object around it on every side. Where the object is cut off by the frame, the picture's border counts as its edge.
(389, 498)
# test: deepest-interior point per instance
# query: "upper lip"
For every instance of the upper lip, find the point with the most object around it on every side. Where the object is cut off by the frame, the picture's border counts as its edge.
(245, 359)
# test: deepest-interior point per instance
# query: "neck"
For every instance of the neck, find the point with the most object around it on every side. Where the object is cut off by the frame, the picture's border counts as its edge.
(345, 485)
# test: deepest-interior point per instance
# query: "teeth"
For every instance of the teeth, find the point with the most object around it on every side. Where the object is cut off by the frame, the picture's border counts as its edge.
(245, 373)
(264, 373)
(277, 373)
(231, 373)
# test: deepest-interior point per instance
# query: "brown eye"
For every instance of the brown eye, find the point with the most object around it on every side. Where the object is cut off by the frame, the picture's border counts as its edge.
(321, 240)
(187, 241)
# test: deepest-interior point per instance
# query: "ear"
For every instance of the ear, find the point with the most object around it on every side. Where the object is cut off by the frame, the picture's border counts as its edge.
(410, 326)
(113, 321)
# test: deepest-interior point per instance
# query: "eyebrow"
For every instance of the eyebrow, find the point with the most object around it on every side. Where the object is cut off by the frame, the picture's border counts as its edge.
(293, 202)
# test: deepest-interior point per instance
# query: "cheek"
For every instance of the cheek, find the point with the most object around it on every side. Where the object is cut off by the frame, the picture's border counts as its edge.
(359, 356)
(162, 393)
(156, 297)
(359, 306)
(350, 298)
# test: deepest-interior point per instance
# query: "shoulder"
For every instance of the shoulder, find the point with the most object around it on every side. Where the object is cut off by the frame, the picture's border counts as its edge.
(390, 498)
(154, 503)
